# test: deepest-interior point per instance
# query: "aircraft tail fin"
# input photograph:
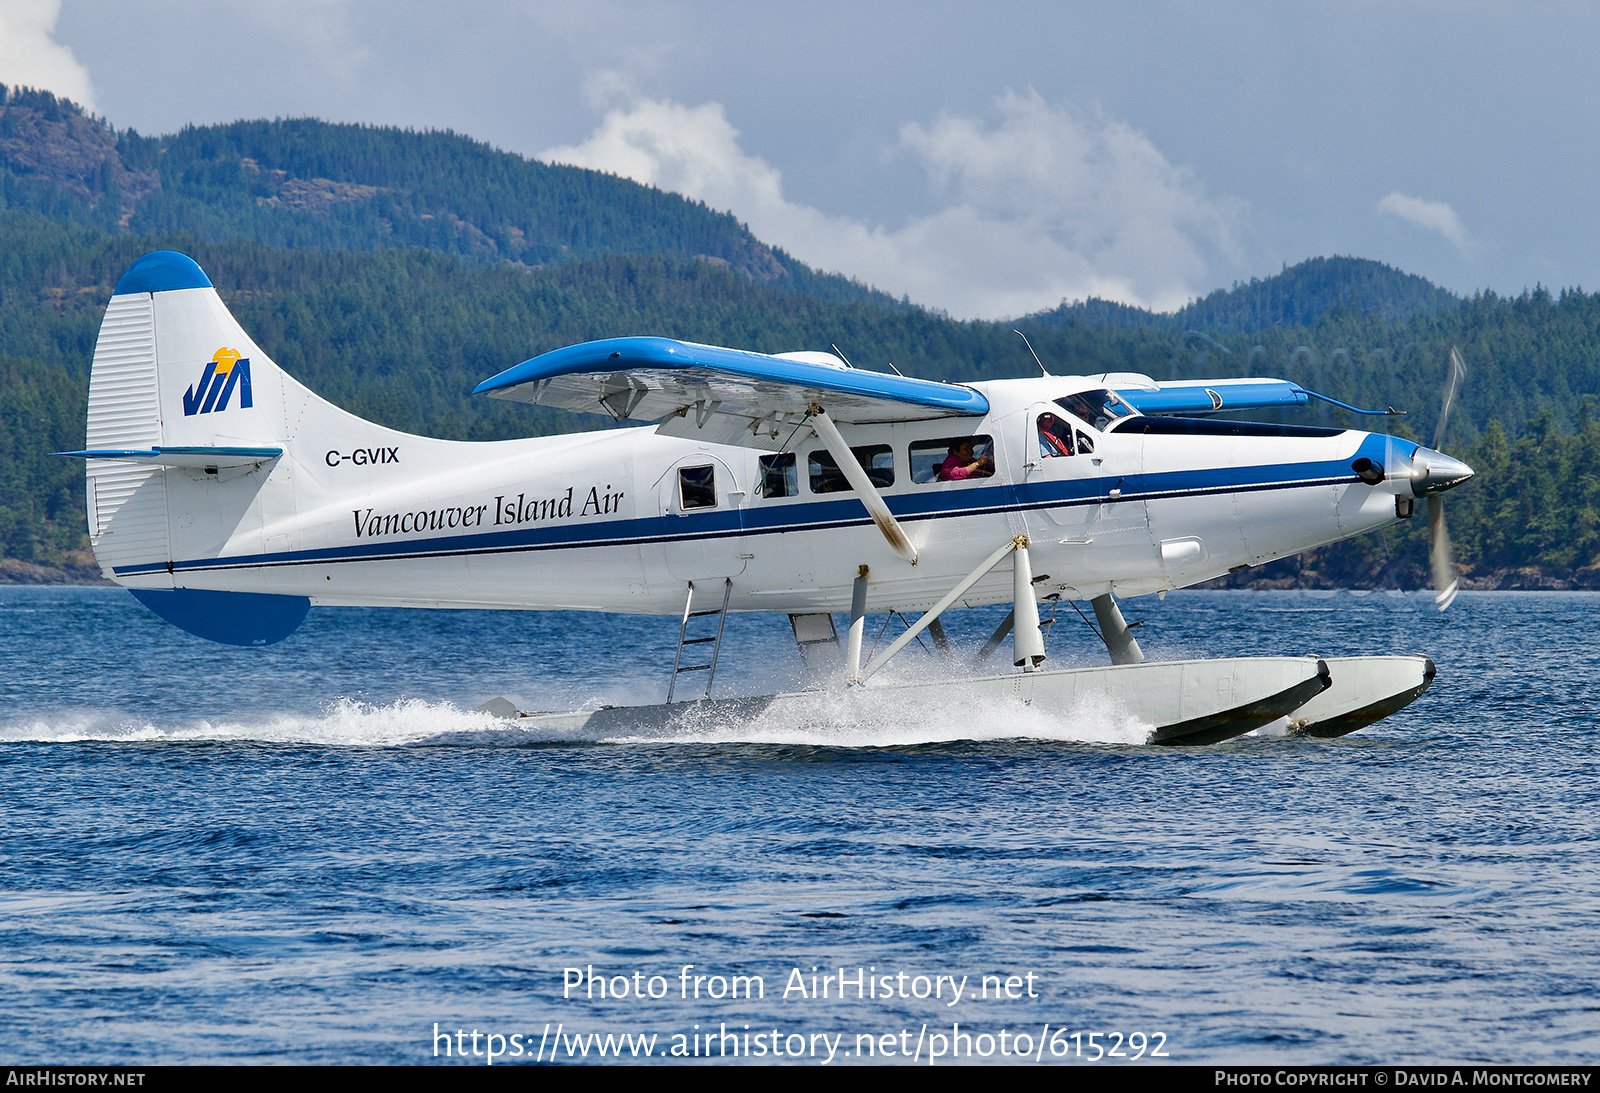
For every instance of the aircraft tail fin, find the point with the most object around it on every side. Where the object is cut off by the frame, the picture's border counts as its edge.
(186, 419)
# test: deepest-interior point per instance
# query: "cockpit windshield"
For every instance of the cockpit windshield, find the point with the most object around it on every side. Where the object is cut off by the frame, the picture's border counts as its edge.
(1102, 409)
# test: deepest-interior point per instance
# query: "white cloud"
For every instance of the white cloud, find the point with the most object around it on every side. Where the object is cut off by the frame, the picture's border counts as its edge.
(1434, 215)
(1049, 204)
(689, 150)
(31, 57)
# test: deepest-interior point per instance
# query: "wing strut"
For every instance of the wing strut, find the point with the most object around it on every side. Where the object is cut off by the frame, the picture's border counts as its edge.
(870, 497)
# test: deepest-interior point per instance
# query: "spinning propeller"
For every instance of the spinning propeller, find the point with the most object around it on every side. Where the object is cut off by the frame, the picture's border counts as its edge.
(1433, 472)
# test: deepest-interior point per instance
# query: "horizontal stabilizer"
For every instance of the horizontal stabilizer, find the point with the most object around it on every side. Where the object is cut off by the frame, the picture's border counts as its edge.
(182, 457)
(724, 395)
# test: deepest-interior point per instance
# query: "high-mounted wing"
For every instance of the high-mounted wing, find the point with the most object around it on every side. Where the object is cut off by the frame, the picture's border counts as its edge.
(726, 396)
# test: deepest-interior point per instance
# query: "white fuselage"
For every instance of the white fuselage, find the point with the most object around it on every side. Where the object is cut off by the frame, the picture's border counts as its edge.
(353, 513)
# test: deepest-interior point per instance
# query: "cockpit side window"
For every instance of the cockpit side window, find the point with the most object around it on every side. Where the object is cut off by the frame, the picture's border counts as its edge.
(1055, 436)
(1100, 409)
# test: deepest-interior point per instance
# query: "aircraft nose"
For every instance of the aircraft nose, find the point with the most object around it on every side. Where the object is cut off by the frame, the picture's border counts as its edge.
(1434, 472)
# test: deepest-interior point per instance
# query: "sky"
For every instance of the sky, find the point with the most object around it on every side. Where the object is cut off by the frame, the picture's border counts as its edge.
(988, 160)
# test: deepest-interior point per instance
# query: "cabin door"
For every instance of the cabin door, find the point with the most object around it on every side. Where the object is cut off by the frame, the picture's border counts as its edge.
(1090, 482)
(1061, 473)
(702, 519)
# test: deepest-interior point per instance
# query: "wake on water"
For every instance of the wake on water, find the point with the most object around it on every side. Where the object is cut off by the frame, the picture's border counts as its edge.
(363, 710)
(856, 718)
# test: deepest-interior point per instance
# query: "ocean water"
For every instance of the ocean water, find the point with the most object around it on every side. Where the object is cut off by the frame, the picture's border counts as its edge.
(316, 852)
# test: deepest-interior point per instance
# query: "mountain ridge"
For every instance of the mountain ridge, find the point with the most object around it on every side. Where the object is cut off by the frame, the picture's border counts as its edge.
(302, 182)
(1298, 295)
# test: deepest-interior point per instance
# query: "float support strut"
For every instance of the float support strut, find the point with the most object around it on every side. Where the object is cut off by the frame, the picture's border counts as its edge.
(1116, 632)
(939, 608)
(1027, 645)
(997, 637)
(858, 623)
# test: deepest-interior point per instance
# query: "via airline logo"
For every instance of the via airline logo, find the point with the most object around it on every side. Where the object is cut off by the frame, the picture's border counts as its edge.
(224, 371)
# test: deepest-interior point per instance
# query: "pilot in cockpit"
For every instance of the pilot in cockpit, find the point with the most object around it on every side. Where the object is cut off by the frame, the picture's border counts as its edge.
(1055, 437)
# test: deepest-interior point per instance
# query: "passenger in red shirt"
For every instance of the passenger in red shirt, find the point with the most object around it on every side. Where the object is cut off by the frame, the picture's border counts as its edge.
(961, 463)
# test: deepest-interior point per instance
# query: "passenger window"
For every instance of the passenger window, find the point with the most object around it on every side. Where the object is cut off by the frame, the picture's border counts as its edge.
(952, 459)
(876, 459)
(697, 487)
(780, 477)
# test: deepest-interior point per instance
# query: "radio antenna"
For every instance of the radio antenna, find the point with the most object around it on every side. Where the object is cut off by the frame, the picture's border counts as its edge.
(846, 360)
(1036, 359)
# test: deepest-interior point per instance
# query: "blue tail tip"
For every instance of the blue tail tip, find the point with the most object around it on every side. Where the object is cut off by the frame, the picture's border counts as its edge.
(162, 271)
(230, 618)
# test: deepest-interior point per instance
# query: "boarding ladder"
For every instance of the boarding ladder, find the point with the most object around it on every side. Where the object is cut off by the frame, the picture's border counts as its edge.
(710, 667)
(818, 641)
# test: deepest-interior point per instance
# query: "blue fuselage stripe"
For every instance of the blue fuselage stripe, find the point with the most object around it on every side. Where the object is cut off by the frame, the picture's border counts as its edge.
(780, 518)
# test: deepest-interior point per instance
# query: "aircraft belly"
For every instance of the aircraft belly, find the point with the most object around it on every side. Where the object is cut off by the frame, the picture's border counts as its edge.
(1287, 521)
(1365, 508)
(594, 578)
(685, 560)
(813, 569)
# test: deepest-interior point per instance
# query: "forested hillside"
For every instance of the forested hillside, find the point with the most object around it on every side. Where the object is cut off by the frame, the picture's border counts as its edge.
(306, 183)
(1298, 296)
(401, 333)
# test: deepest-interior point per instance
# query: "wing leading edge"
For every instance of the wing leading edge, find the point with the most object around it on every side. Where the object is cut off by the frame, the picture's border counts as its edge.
(727, 396)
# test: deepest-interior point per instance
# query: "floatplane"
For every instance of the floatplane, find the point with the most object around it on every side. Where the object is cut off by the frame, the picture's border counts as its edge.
(230, 499)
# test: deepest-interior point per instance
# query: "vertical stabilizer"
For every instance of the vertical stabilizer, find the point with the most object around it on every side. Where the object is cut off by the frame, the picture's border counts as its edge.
(186, 427)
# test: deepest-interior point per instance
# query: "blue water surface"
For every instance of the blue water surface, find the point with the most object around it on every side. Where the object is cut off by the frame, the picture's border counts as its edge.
(317, 852)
